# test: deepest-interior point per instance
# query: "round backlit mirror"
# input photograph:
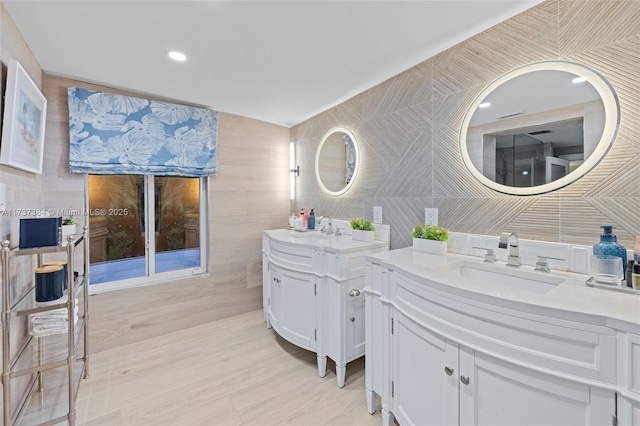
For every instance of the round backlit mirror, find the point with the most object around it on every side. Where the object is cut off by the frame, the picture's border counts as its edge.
(337, 161)
(539, 127)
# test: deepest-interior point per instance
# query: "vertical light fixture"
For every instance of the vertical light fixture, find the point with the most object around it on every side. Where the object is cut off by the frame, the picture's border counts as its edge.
(294, 170)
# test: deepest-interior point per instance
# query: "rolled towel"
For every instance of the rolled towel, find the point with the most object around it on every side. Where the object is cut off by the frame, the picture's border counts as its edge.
(48, 330)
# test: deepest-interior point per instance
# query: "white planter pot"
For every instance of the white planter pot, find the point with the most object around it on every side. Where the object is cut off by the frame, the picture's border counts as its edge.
(68, 230)
(359, 235)
(430, 246)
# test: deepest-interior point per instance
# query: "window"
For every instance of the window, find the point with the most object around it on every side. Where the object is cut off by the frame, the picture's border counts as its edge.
(145, 228)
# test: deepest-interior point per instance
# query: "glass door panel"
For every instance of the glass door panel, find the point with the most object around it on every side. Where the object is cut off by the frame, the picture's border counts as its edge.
(177, 236)
(117, 241)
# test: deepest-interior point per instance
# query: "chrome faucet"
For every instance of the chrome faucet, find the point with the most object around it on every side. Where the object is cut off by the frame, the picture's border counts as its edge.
(329, 229)
(510, 240)
(543, 265)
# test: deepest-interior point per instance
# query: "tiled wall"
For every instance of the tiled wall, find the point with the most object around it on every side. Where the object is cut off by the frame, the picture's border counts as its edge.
(408, 131)
(249, 194)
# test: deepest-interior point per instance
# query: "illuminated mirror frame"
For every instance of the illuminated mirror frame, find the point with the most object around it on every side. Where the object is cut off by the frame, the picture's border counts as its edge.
(356, 168)
(610, 131)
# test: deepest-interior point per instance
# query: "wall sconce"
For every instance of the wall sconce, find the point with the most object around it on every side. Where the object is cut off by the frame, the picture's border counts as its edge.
(294, 170)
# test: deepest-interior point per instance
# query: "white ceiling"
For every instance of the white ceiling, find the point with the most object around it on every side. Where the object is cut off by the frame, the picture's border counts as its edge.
(277, 61)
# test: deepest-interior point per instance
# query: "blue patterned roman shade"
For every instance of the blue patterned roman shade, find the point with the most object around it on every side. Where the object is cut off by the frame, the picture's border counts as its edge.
(114, 134)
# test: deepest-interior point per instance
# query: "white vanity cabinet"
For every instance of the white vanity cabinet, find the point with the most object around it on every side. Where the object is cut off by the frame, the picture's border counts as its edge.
(312, 293)
(436, 381)
(438, 355)
(629, 378)
(293, 306)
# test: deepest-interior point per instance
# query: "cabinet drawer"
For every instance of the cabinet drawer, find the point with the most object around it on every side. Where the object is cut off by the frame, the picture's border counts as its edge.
(293, 257)
(569, 347)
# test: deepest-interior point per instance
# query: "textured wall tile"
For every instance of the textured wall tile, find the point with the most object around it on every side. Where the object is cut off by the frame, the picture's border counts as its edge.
(406, 89)
(585, 25)
(346, 114)
(450, 176)
(401, 213)
(623, 212)
(528, 37)
(540, 221)
(398, 153)
(481, 215)
(580, 222)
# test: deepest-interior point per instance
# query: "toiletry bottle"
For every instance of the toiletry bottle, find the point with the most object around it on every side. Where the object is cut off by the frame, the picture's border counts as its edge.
(292, 220)
(636, 251)
(636, 276)
(306, 218)
(312, 220)
(629, 272)
(608, 246)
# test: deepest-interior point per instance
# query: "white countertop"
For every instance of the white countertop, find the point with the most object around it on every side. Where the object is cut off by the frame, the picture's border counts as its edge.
(317, 240)
(572, 299)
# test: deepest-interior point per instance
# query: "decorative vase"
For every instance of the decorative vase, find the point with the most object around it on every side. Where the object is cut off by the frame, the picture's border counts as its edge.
(358, 235)
(430, 246)
(68, 230)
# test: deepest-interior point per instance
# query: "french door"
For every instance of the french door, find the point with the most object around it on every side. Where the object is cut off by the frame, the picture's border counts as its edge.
(145, 229)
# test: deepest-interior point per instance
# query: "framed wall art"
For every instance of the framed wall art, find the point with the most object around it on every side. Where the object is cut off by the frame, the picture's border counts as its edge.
(23, 122)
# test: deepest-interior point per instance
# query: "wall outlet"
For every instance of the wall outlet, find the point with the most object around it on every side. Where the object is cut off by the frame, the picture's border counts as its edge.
(377, 214)
(431, 216)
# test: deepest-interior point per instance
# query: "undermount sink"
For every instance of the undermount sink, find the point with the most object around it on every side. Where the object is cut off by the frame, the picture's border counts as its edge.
(511, 278)
(309, 235)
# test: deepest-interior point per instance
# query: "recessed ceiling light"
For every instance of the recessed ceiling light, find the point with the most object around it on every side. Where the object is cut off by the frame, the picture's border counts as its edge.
(484, 105)
(177, 56)
(579, 80)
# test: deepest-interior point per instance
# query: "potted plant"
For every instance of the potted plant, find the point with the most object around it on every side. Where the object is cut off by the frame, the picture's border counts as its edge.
(362, 230)
(68, 225)
(430, 239)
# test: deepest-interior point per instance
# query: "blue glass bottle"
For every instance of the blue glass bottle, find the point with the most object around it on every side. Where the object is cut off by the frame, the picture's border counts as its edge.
(608, 246)
(312, 220)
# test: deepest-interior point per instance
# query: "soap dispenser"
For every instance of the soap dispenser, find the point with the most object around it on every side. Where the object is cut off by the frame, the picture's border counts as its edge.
(312, 220)
(608, 246)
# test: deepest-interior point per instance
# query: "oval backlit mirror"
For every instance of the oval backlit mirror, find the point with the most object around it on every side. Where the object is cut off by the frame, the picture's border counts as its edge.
(539, 128)
(337, 161)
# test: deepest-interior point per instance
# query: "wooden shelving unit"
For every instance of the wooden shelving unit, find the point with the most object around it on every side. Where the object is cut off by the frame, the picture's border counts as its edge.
(65, 357)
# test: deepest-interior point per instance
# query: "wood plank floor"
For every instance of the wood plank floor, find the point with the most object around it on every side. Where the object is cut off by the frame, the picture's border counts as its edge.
(229, 372)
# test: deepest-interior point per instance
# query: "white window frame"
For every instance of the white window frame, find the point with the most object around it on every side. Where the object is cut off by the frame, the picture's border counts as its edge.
(151, 277)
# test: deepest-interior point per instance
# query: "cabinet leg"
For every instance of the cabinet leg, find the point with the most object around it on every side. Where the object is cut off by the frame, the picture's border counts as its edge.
(387, 418)
(341, 371)
(267, 318)
(371, 401)
(322, 366)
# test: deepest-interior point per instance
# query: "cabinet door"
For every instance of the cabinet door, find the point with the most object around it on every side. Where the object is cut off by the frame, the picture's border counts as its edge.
(275, 298)
(423, 392)
(298, 310)
(501, 393)
(355, 328)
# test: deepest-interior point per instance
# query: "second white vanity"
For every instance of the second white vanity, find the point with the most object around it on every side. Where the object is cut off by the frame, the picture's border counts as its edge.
(312, 292)
(454, 340)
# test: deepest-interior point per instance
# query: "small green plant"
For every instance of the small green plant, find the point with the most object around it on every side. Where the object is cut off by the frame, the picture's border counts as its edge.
(430, 232)
(362, 225)
(68, 220)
